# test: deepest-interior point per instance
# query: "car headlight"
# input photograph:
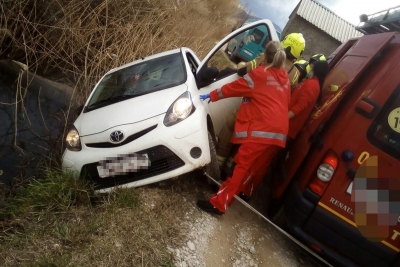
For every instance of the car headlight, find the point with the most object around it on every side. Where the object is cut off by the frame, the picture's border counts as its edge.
(179, 110)
(73, 140)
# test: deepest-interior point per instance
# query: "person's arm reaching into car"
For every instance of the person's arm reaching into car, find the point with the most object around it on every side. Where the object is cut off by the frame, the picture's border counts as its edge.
(242, 87)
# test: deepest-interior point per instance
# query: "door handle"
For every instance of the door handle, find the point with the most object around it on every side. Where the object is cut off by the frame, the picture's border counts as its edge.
(367, 107)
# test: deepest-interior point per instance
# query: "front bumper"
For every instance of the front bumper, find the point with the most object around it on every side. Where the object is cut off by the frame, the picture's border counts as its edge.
(168, 149)
(339, 242)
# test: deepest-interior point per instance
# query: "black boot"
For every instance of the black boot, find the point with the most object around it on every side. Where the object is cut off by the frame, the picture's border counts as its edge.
(208, 207)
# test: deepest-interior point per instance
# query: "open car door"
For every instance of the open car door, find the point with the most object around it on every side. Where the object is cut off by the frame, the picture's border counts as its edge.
(219, 67)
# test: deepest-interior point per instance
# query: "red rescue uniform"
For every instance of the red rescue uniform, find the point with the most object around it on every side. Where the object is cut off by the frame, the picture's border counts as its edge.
(302, 102)
(261, 127)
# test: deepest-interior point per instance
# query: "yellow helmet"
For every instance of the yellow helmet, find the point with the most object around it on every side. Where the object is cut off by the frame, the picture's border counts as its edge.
(303, 65)
(294, 44)
(317, 57)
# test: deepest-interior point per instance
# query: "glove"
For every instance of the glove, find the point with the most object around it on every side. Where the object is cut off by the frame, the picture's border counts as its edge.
(204, 97)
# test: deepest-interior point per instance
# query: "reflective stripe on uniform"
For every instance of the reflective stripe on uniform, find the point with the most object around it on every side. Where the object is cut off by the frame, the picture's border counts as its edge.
(240, 134)
(253, 64)
(273, 83)
(249, 81)
(220, 191)
(219, 91)
(245, 182)
(269, 135)
(295, 78)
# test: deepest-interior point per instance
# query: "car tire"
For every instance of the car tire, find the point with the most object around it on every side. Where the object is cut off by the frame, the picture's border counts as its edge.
(212, 168)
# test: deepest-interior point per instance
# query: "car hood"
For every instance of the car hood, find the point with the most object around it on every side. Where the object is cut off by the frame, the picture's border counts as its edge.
(128, 111)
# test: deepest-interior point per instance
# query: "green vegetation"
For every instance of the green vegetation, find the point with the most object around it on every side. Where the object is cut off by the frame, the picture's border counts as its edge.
(59, 221)
(54, 192)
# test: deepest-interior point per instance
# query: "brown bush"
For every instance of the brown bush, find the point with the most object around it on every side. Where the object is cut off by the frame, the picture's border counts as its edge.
(77, 41)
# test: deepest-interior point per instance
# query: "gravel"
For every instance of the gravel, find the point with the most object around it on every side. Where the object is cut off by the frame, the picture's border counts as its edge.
(200, 230)
(243, 252)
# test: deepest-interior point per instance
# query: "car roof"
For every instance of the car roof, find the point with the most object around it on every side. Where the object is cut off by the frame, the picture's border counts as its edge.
(169, 52)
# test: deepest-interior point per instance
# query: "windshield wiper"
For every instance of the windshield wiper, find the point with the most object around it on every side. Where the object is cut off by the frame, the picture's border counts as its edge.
(111, 99)
(114, 99)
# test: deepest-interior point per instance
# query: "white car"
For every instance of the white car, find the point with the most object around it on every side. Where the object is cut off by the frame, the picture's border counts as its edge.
(144, 121)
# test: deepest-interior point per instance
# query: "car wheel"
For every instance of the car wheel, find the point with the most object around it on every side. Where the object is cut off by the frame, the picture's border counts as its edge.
(212, 168)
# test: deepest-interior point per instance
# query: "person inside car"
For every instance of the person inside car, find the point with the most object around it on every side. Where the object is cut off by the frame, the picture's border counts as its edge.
(261, 125)
(130, 84)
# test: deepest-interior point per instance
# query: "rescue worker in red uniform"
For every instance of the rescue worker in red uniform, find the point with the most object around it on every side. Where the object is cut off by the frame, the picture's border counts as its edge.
(305, 96)
(302, 102)
(261, 124)
(294, 45)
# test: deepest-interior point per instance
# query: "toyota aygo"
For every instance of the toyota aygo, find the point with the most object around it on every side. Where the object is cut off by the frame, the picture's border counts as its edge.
(144, 122)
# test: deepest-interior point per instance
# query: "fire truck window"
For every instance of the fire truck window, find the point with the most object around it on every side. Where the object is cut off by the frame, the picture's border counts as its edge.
(384, 132)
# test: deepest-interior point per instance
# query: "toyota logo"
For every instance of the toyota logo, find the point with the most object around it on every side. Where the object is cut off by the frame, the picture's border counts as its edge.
(116, 136)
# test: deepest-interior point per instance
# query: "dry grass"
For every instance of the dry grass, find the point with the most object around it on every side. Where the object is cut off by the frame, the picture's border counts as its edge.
(78, 41)
(131, 227)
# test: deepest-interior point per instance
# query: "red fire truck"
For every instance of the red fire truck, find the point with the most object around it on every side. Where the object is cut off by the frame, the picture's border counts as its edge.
(358, 117)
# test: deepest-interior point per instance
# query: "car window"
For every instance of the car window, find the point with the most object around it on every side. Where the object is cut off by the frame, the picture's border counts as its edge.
(266, 40)
(258, 35)
(139, 79)
(384, 132)
(192, 63)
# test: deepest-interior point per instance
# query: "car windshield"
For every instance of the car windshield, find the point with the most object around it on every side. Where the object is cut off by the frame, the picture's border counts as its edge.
(140, 79)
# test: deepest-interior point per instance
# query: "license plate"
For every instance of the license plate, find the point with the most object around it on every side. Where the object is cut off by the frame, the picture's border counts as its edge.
(348, 191)
(123, 164)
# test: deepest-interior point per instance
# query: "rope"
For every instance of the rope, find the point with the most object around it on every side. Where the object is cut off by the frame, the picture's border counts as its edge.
(277, 227)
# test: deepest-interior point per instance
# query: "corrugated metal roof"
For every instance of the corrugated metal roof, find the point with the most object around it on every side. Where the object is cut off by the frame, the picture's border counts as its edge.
(323, 18)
